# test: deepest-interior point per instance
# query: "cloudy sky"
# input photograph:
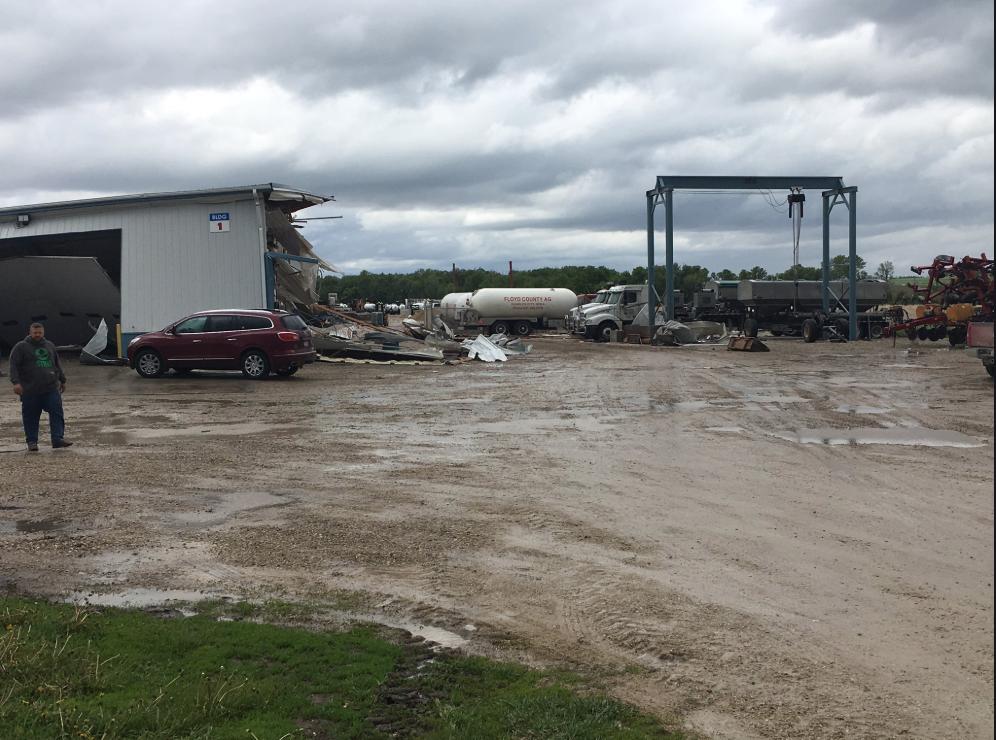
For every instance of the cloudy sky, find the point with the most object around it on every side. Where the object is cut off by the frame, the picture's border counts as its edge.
(479, 133)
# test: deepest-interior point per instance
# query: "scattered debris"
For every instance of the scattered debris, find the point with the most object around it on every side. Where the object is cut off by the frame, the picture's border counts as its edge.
(484, 349)
(99, 351)
(747, 344)
(337, 334)
(674, 333)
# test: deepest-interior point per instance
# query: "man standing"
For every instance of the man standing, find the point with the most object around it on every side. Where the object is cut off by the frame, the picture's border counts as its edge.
(39, 381)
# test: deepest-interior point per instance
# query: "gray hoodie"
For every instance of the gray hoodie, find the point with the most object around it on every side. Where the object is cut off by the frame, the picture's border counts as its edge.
(35, 366)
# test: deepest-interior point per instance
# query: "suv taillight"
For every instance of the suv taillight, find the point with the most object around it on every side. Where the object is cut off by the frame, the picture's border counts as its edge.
(287, 336)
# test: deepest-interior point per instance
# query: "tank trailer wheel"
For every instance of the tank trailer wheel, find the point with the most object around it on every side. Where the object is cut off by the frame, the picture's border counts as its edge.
(500, 327)
(523, 328)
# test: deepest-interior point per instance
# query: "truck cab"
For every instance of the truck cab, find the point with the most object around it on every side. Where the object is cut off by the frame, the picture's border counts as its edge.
(620, 308)
(572, 316)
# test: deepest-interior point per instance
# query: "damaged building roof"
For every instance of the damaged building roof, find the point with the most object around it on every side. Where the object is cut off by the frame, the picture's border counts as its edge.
(287, 198)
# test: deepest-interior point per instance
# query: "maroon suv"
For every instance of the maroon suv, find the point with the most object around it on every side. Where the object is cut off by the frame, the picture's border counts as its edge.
(255, 342)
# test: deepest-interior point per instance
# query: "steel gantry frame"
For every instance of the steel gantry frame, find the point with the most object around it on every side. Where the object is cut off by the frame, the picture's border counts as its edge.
(834, 192)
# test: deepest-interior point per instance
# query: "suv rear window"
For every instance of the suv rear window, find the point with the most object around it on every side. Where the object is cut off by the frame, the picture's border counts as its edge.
(296, 323)
(252, 322)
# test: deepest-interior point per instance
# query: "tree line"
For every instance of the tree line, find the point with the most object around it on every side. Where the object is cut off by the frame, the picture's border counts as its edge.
(396, 287)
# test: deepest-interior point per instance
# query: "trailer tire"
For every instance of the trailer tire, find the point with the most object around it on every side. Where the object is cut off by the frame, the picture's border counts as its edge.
(750, 327)
(876, 330)
(500, 327)
(810, 331)
(523, 328)
(957, 335)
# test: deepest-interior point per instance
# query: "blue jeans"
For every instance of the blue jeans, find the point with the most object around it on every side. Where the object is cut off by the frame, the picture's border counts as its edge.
(31, 411)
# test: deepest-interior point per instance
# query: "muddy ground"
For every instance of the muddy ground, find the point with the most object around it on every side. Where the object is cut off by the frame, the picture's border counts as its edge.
(791, 544)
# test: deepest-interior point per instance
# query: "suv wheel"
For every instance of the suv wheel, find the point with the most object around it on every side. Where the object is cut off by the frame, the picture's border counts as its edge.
(255, 365)
(149, 364)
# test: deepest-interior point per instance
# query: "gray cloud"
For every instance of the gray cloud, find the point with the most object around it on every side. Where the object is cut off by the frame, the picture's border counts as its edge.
(520, 130)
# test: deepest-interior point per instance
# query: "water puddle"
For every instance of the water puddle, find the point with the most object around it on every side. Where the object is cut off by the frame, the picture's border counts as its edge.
(142, 598)
(139, 598)
(222, 506)
(911, 436)
(30, 526)
(236, 429)
(747, 402)
(847, 409)
(442, 637)
(726, 430)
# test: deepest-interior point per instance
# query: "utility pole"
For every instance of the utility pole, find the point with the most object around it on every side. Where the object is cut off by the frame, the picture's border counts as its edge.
(511, 281)
(454, 278)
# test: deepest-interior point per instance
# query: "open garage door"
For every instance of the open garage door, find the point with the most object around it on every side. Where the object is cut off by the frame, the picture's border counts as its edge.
(69, 282)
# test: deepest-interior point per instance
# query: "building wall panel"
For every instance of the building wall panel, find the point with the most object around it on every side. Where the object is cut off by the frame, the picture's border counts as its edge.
(171, 262)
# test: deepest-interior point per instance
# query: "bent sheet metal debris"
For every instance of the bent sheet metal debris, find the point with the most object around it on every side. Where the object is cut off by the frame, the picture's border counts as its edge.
(484, 349)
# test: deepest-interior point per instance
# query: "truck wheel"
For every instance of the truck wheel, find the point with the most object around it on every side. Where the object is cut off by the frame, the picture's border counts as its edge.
(604, 331)
(876, 331)
(523, 328)
(750, 327)
(810, 331)
(499, 327)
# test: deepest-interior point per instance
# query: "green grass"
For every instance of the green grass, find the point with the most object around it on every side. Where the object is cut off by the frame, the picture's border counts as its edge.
(75, 673)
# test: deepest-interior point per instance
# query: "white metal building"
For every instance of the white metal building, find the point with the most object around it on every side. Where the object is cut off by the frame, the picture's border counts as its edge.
(169, 254)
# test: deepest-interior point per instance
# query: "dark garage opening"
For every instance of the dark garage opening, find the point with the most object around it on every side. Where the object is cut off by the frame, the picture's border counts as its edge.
(69, 282)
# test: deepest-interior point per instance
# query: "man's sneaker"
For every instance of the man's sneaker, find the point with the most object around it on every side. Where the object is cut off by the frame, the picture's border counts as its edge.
(32, 447)
(62, 443)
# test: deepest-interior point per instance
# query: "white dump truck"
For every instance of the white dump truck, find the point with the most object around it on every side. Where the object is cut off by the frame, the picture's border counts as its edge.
(620, 307)
(506, 310)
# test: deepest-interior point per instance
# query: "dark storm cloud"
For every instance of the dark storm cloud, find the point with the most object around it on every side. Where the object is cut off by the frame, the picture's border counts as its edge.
(452, 131)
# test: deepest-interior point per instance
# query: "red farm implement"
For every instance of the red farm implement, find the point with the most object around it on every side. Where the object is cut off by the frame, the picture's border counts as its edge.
(956, 293)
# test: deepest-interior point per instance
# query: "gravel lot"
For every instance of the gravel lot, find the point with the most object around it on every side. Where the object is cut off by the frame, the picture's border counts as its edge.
(790, 544)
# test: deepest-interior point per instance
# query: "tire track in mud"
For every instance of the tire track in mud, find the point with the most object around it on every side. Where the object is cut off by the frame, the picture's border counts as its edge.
(684, 646)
